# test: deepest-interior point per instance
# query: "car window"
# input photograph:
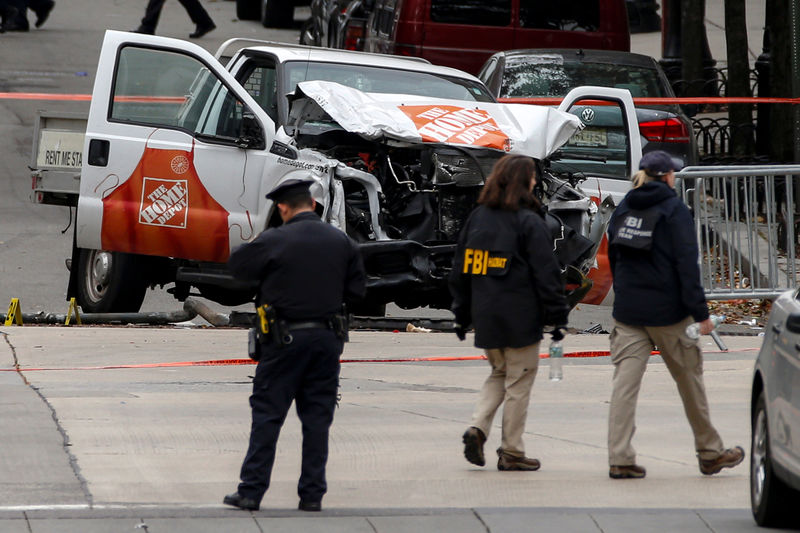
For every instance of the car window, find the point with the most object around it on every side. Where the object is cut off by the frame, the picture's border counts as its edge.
(384, 80)
(552, 76)
(601, 148)
(473, 12)
(189, 97)
(576, 15)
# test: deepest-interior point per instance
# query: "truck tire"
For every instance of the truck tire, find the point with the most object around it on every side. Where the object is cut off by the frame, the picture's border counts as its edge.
(277, 13)
(248, 9)
(109, 282)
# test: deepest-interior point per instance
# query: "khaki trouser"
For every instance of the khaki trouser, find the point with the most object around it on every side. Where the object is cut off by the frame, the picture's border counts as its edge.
(630, 351)
(511, 380)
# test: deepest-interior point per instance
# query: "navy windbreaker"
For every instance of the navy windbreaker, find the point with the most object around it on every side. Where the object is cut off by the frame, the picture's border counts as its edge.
(506, 279)
(656, 277)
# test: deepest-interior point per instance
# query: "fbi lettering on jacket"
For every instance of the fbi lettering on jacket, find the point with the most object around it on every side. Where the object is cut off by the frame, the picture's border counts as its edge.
(483, 262)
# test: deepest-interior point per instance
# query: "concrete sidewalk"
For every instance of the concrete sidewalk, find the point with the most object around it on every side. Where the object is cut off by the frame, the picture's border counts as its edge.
(113, 429)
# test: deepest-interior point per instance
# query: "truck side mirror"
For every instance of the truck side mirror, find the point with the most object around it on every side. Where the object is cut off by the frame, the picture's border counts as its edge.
(251, 135)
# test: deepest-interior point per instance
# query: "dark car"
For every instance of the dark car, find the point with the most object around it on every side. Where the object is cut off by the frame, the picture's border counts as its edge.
(775, 416)
(271, 13)
(554, 72)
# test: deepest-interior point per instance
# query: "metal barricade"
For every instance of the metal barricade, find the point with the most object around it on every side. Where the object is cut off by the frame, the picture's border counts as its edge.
(745, 220)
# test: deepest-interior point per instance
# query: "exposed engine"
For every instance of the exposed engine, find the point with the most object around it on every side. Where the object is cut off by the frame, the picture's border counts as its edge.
(423, 193)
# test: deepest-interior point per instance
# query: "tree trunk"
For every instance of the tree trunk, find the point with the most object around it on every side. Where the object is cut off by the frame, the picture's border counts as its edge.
(740, 115)
(781, 134)
(692, 45)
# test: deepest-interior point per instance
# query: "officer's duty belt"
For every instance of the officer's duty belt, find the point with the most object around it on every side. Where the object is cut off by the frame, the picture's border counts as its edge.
(308, 324)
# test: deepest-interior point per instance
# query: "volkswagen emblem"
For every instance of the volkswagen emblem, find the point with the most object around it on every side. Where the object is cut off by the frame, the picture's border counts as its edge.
(587, 114)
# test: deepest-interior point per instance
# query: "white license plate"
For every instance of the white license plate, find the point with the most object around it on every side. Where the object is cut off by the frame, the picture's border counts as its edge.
(590, 137)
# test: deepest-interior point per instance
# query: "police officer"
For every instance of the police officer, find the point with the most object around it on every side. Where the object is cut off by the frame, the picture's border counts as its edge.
(507, 282)
(306, 270)
(657, 293)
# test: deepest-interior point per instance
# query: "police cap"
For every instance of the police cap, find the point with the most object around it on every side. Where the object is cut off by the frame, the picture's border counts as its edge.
(289, 189)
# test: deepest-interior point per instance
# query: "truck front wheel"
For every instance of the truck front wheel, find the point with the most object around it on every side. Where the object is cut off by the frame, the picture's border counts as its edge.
(109, 282)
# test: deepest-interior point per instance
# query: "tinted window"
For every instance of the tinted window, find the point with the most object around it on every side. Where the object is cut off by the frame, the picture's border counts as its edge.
(385, 80)
(575, 15)
(552, 76)
(475, 12)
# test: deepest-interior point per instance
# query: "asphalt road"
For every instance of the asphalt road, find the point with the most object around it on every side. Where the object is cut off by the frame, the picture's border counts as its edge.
(111, 429)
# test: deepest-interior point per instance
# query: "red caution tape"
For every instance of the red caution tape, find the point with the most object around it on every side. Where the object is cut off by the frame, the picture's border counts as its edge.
(233, 362)
(659, 101)
(88, 97)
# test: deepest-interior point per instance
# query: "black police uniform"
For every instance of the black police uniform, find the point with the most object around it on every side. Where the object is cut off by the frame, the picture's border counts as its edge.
(505, 279)
(307, 269)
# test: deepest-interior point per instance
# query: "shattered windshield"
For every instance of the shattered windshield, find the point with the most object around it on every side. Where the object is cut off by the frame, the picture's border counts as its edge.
(552, 76)
(384, 80)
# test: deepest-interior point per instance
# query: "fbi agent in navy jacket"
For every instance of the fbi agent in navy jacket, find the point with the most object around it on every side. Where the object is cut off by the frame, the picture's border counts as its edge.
(507, 283)
(657, 293)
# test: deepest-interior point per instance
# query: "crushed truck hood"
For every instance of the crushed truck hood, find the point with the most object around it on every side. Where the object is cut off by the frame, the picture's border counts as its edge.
(536, 131)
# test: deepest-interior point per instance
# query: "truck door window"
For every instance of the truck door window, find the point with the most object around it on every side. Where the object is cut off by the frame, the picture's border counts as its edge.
(261, 83)
(182, 94)
(476, 12)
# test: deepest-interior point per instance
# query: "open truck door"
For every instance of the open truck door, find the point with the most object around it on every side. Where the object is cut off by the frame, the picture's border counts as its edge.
(174, 159)
(612, 146)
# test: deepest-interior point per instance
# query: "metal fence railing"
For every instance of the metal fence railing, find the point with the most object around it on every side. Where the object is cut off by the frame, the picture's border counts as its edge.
(745, 219)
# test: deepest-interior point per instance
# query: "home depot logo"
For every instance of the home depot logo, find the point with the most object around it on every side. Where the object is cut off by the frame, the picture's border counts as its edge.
(164, 203)
(457, 125)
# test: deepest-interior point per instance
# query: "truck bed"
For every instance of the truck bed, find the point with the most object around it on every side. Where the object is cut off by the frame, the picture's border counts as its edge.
(56, 158)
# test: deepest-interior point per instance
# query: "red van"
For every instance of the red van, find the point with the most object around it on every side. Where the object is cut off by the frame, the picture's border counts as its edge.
(464, 33)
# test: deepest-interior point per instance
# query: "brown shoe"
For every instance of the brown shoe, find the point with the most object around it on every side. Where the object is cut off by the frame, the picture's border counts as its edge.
(626, 472)
(473, 446)
(727, 459)
(506, 462)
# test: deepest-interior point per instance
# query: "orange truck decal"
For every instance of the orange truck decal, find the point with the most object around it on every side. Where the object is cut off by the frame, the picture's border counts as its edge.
(163, 209)
(453, 124)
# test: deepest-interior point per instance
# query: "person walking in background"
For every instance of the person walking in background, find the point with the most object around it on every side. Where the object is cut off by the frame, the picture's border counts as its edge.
(14, 13)
(8, 13)
(507, 282)
(196, 12)
(306, 269)
(657, 293)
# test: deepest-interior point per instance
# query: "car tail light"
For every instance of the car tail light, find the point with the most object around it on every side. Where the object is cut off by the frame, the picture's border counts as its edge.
(354, 36)
(671, 130)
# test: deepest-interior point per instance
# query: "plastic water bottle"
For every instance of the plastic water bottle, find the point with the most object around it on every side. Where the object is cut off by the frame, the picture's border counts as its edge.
(556, 356)
(693, 330)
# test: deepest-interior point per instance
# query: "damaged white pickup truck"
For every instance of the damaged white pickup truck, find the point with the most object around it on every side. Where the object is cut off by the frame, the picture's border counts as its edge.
(179, 152)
